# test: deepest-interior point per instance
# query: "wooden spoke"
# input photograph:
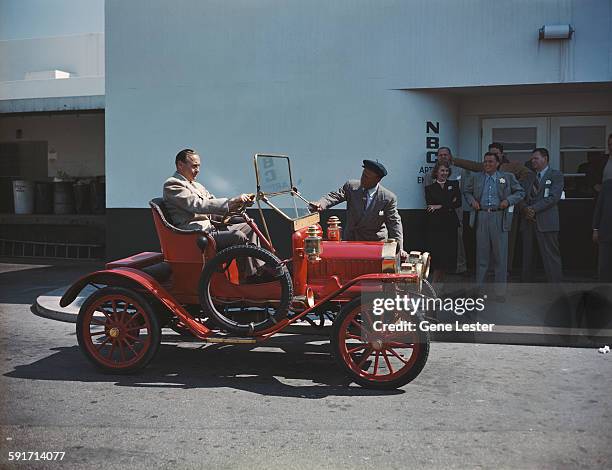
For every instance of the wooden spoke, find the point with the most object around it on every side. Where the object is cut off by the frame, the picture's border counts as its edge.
(391, 371)
(350, 336)
(365, 356)
(138, 314)
(103, 343)
(130, 346)
(356, 348)
(397, 355)
(121, 351)
(112, 349)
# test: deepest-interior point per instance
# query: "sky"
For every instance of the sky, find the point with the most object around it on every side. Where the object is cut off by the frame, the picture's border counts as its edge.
(22, 19)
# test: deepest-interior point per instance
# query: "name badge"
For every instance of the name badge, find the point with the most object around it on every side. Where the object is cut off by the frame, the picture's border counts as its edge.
(546, 192)
(511, 209)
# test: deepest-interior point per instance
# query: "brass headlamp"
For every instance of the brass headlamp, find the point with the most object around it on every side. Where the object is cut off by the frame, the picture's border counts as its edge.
(312, 244)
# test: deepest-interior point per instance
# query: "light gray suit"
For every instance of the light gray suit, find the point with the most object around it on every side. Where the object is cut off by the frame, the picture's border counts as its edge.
(461, 175)
(492, 227)
(379, 222)
(192, 207)
(545, 229)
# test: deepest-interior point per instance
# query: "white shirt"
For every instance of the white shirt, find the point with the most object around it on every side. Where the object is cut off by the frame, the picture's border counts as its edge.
(370, 193)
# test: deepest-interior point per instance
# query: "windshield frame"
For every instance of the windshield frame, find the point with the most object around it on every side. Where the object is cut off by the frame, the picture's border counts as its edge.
(297, 222)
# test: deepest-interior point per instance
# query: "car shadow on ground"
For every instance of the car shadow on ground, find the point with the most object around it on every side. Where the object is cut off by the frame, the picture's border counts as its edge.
(277, 368)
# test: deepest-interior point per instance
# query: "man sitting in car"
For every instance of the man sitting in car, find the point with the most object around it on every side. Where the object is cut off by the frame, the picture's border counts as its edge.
(192, 207)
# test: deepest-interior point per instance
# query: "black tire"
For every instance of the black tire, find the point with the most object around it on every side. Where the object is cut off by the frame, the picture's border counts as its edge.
(141, 349)
(272, 262)
(391, 381)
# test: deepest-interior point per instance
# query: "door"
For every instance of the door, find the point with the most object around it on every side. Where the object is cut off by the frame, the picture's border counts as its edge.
(519, 136)
(575, 143)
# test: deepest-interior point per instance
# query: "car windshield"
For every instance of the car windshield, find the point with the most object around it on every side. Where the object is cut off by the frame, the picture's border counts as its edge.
(275, 186)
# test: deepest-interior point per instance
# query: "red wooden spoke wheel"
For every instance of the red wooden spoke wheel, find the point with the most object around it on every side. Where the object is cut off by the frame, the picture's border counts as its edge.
(117, 330)
(384, 361)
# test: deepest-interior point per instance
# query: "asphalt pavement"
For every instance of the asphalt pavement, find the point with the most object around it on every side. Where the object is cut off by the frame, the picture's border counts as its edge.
(285, 404)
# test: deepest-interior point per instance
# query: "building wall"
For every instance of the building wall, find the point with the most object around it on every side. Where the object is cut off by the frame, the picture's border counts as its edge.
(324, 82)
(78, 139)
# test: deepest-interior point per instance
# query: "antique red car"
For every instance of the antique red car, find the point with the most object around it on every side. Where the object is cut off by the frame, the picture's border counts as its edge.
(194, 286)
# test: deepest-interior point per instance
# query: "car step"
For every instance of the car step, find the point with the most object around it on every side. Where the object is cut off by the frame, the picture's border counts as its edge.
(231, 340)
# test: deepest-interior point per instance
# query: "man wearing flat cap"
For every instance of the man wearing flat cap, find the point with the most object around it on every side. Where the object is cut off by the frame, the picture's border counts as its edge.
(370, 207)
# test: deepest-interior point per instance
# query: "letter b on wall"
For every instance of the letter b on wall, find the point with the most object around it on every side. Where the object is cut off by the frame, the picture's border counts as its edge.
(433, 142)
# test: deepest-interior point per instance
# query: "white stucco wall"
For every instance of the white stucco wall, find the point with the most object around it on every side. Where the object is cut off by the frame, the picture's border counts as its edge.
(324, 82)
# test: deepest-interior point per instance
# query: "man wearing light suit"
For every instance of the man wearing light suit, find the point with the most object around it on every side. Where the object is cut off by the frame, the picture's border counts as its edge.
(540, 212)
(192, 207)
(371, 208)
(492, 195)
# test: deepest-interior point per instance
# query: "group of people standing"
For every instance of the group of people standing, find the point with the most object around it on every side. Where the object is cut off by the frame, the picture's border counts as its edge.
(504, 198)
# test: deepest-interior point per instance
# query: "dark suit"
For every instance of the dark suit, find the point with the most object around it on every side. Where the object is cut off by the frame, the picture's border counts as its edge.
(602, 222)
(545, 229)
(379, 222)
(442, 224)
(595, 171)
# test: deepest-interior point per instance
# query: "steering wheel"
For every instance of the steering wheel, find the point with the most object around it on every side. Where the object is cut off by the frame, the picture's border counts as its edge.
(238, 212)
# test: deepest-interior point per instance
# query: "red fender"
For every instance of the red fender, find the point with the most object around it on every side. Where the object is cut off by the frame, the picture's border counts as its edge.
(119, 276)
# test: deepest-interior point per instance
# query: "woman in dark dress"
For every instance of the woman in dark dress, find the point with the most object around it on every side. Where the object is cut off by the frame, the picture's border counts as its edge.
(442, 197)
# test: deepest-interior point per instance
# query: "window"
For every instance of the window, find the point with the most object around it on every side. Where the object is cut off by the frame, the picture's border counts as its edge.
(574, 143)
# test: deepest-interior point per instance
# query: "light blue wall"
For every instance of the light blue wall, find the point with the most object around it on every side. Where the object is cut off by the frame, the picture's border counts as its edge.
(24, 19)
(319, 80)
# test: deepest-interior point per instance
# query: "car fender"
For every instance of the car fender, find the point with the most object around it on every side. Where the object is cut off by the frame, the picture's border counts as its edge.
(130, 277)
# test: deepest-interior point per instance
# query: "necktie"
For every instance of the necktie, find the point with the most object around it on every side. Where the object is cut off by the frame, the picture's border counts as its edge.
(365, 199)
(536, 186)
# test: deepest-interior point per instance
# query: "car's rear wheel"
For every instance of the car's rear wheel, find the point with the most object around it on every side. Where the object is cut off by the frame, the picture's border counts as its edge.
(117, 330)
(382, 361)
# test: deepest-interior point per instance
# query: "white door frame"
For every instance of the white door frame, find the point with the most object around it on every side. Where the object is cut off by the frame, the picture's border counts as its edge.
(540, 123)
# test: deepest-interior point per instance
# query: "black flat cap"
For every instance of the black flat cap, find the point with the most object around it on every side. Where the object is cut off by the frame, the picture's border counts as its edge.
(376, 167)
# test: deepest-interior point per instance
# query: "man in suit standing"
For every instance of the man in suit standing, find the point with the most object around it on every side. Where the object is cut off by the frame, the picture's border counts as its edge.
(371, 208)
(540, 213)
(192, 207)
(600, 170)
(445, 156)
(492, 195)
(602, 231)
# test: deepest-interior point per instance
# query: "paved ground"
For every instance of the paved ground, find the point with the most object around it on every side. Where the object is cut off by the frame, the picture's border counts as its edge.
(286, 405)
